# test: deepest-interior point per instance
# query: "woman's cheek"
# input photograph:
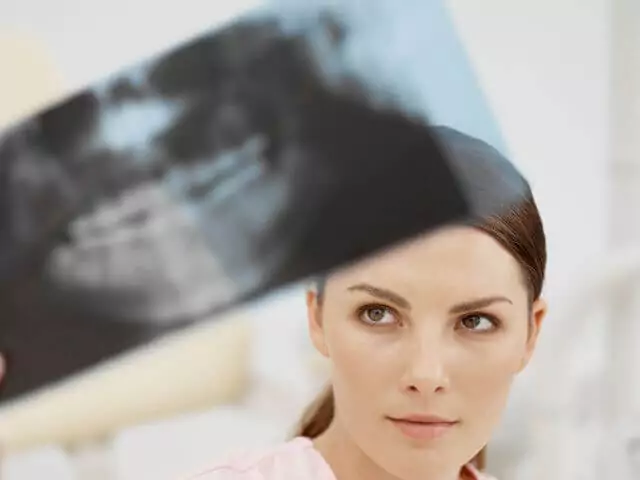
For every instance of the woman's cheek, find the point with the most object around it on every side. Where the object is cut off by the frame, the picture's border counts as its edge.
(485, 378)
(360, 357)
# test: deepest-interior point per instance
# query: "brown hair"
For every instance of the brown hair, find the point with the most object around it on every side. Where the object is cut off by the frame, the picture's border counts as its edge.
(517, 227)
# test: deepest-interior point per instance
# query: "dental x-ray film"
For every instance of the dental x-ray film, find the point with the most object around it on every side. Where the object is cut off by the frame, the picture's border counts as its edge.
(255, 155)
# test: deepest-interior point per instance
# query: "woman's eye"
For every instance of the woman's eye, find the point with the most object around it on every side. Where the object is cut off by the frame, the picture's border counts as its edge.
(377, 314)
(478, 323)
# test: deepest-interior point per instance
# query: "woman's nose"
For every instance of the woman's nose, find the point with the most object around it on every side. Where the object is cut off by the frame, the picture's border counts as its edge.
(426, 370)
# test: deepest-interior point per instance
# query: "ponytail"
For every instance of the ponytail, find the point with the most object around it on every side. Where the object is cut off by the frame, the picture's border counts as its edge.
(319, 415)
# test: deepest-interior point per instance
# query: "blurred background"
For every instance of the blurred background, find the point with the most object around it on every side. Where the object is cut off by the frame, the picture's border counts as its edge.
(559, 77)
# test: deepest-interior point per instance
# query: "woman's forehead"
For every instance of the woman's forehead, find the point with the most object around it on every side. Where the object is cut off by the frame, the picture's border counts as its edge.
(455, 256)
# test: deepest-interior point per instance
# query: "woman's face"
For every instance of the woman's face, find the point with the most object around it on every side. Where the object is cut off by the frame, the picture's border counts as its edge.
(434, 329)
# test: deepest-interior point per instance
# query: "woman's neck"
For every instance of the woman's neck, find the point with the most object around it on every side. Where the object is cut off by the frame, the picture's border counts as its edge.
(349, 462)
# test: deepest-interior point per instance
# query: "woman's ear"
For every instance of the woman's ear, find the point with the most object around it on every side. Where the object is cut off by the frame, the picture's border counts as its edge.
(314, 318)
(537, 316)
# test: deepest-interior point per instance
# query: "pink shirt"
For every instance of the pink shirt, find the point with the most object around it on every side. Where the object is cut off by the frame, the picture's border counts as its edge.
(294, 460)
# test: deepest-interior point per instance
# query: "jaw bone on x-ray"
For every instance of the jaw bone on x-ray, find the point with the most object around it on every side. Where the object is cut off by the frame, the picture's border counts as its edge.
(254, 156)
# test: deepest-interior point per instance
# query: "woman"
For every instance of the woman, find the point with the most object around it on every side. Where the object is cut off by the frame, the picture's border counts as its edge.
(424, 342)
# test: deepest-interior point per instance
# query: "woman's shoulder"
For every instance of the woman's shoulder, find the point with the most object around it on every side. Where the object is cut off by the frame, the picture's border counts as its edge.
(294, 459)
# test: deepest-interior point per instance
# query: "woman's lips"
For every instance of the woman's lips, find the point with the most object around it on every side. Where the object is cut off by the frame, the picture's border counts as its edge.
(423, 428)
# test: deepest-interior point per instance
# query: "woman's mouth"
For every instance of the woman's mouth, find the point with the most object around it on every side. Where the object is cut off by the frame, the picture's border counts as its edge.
(423, 427)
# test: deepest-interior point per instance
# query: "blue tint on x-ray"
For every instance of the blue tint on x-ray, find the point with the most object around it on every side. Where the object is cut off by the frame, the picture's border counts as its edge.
(451, 91)
(412, 48)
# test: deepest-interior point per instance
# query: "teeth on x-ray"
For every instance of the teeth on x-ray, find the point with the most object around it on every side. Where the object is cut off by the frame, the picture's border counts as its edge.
(213, 182)
(145, 247)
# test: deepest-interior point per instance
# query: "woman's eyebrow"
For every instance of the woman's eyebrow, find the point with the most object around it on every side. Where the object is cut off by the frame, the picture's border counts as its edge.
(382, 293)
(478, 303)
